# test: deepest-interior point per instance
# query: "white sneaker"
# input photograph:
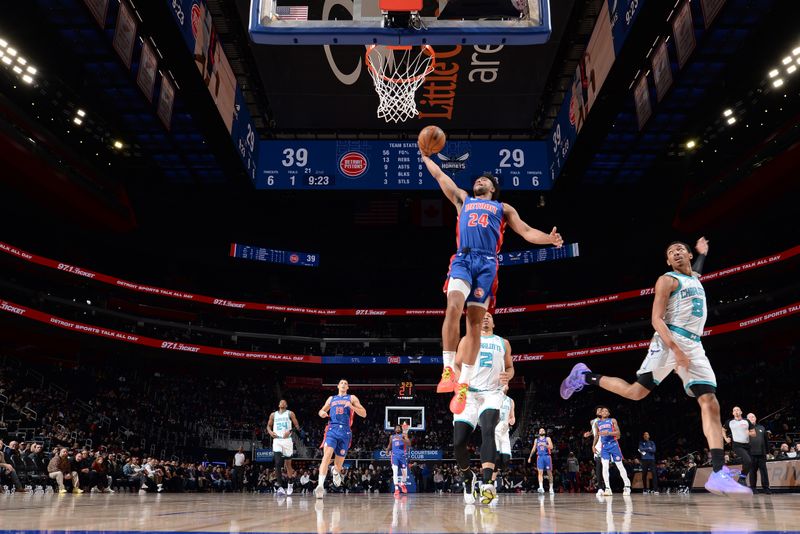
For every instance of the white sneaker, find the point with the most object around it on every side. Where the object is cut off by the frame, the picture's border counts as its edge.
(540, 490)
(108, 490)
(289, 489)
(488, 491)
(319, 492)
(600, 493)
(626, 490)
(94, 490)
(469, 493)
(552, 492)
(280, 491)
(337, 478)
(607, 492)
(142, 491)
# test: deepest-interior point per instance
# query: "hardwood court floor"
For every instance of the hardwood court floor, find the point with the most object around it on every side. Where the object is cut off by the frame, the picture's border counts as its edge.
(382, 513)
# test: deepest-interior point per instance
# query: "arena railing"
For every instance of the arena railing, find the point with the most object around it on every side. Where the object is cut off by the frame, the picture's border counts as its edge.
(108, 333)
(422, 312)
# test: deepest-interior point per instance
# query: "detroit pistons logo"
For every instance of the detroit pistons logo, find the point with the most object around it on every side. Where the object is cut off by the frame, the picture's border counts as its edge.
(353, 164)
(478, 292)
(294, 258)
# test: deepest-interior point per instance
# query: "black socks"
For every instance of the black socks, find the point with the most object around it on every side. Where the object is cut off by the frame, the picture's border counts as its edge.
(717, 459)
(592, 379)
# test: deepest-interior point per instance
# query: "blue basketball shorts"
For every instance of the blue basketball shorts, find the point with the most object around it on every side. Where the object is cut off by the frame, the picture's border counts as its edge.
(479, 272)
(544, 463)
(338, 437)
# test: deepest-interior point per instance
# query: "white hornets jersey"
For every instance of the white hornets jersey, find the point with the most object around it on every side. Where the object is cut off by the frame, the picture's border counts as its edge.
(281, 422)
(505, 411)
(490, 363)
(686, 308)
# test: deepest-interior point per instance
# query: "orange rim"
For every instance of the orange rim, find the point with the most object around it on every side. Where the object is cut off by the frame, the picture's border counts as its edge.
(426, 49)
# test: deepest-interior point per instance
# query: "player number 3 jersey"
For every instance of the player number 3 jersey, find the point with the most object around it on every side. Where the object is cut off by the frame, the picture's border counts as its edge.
(686, 308)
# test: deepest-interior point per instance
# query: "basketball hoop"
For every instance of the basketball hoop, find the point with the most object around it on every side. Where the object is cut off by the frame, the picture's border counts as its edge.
(397, 72)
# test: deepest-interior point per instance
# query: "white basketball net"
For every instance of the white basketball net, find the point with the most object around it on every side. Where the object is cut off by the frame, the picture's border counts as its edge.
(397, 73)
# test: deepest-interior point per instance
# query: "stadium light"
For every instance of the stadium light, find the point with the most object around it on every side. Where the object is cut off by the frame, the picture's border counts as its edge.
(773, 73)
(731, 120)
(787, 60)
(690, 144)
(81, 113)
(778, 82)
(727, 113)
(796, 51)
(77, 121)
(118, 145)
(3, 43)
(790, 69)
(11, 51)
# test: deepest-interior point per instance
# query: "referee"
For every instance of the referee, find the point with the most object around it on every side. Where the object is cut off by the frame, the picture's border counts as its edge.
(740, 435)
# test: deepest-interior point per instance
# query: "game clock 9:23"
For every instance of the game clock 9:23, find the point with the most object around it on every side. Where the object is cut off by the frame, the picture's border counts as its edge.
(319, 180)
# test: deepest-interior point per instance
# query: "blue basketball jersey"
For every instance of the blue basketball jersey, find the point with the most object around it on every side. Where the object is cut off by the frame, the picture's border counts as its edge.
(398, 446)
(541, 447)
(480, 225)
(341, 414)
(608, 426)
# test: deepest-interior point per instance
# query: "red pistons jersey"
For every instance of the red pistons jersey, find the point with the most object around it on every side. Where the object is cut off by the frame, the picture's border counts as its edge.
(480, 226)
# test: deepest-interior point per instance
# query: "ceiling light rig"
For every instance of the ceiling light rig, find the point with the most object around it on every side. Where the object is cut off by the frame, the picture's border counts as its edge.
(16, 63)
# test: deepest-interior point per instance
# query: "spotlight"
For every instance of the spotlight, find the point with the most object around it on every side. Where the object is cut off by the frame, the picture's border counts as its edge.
(27, 79)
(778, 82)
(787, 60)
(3, 43)
(727, 113)
(773, 73)
(6, 60)
(118, 145)
(691, 144)
(31, 70)
(17, 70)
(731, 120)
(11, 52)
(790, 69)
(796, 51)
(21, 60)
(81, 113)
(77, 121)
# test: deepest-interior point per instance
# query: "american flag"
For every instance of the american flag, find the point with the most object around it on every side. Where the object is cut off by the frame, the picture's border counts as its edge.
(292, 12)
(377, 212)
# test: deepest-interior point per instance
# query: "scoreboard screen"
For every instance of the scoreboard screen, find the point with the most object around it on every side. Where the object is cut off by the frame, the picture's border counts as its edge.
(397, 165)
(405, 390)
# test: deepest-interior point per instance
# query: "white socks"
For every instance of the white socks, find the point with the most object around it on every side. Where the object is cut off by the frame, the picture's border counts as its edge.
(321, 480)
(466, 374)
(624, 474)
(449, 358)
(395, 477)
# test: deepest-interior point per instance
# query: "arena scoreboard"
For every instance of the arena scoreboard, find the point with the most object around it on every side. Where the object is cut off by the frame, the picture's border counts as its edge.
(405, 390)
(397, 165)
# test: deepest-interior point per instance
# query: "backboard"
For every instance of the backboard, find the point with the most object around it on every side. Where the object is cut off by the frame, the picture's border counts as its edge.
(361, 22)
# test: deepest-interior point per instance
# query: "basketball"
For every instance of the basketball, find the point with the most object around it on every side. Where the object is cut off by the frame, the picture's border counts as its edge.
(431, 140)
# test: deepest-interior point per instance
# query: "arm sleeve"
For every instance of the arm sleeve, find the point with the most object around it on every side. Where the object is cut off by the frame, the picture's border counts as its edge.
(697, 266)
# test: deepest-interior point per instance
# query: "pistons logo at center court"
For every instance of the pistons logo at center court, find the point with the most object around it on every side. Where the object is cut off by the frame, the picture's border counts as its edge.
(353, 164)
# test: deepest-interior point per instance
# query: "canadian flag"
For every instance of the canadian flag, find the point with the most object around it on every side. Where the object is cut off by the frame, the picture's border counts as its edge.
(430, 212)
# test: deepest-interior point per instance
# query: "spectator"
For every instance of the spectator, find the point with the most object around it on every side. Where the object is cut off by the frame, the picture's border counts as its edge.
(647, 448)
(573, 467)
(58, 469)
(99, 475)
(758, 449)
(8, 470)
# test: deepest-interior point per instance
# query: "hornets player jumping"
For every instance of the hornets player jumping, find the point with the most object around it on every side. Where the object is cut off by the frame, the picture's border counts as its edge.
(494, 370)
(472, 278)
(338, 435)
(678, 316)
(399, 445)
(543, 447)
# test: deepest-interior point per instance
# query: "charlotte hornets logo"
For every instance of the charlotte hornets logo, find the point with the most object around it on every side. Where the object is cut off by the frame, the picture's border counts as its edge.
(453, 163)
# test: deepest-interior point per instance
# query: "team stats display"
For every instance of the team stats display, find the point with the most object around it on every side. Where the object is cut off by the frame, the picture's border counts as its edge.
(397, 165)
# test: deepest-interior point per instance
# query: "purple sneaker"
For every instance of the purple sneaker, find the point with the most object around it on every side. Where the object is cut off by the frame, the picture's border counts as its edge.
(721, 483)
(574, 382)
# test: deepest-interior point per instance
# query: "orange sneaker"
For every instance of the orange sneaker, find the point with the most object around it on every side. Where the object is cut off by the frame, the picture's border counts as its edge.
(459, 400)
(397, 491)
(447, 384)
(403, 488)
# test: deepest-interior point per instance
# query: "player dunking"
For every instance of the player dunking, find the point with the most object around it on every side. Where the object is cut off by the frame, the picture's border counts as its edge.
(543, 447)
(606, 436)
(494, 370)
(280, 428)
(502, 439)
(472, 278)
(338, 435)
(678, 316)
(399, 444)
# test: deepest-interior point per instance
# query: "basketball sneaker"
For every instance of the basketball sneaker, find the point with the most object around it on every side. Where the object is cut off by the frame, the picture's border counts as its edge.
(289, 489)
(574, 382)
(552, 492)
(447, 383)
(403, 488)
(337, 478)
(397, 491)
(319, 492)
(540, 490)
(469, 491)
(488, 493)
(459, 400)
(280, 491)
(600, 492)
(607, 492)
(721, 483)
(626, 490)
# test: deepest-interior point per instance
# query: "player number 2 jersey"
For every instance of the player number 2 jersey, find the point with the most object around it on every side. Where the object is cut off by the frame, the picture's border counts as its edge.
(489, 365)
(281, 422)
(686, 308)
(481, 225)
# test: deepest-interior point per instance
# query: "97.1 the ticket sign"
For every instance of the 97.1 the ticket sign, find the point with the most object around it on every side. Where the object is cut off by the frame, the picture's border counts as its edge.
(340, 164)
